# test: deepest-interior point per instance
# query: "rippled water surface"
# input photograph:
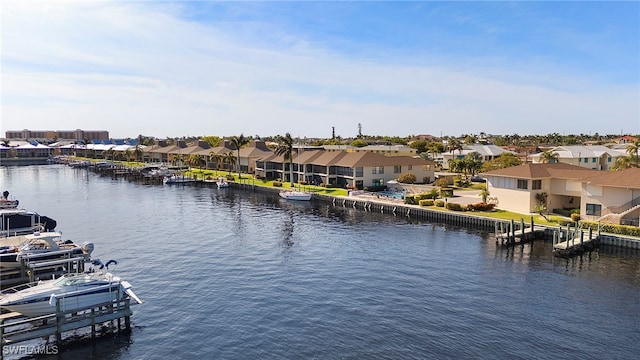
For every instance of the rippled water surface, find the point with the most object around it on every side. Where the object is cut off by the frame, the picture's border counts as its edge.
(234, 274)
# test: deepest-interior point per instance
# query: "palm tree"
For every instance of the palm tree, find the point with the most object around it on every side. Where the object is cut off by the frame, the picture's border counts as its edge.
(127, 155)
(285, 149)
(549, 156)
(230, 160)
(238, 142)
(622, 162)
(473, 162)
(453, 145)
(175, 158)
(195, 160)
(632, 150)
(138, 152)
(215, 158)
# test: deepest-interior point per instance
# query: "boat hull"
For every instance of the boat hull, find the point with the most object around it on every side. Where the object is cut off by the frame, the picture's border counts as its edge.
(295, 195)
(44, 303)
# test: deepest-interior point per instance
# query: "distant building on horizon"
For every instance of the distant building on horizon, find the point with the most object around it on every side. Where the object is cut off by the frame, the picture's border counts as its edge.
(77, 135)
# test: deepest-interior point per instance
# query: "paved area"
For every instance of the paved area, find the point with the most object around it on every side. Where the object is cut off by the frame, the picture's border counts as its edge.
(462, 197)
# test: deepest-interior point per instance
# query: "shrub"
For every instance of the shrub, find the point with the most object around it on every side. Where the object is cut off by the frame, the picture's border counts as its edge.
(480, 207)
(565, 222)
(410, 200)
(439, 203)
(575, 216)
(562, 212)
(454, 206)
(611, 228)
(407, 178)
(441, 182)
(446, 192)
(426, 202)
(277, 183)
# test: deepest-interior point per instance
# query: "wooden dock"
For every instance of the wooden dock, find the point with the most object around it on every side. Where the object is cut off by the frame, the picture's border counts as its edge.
(512, 233)
(578, 241)
(15, 328)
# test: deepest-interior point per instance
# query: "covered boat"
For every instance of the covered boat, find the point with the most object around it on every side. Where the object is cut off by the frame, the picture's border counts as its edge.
(20, 221)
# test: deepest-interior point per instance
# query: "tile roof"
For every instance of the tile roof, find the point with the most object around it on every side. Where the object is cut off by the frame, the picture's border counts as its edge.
(629, 178)
(538, 171)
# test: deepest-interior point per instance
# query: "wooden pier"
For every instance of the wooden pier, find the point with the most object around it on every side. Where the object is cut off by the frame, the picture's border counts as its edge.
(577, 241)
(512, 233)
(15, 328)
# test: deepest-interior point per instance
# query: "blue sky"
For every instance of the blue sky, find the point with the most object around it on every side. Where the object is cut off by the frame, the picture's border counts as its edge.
(187, 68)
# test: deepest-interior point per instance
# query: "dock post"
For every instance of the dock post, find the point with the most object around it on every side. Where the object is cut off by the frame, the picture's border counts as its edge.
(127, 317)
(513, 231)
(59, 319)
(93, 323)
(1, 338)
(522, 229)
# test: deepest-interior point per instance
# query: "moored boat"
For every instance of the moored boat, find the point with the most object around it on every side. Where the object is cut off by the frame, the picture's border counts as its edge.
(222, 183)
(20, 221)
(6, 203)
(43, 246)
(69, 292)
(177, 179)
(295, 195)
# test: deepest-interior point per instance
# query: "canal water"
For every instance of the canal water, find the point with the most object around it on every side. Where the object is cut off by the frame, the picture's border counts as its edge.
(234, 274)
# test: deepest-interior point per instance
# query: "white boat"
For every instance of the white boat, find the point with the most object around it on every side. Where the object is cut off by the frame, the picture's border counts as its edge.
(72, 292)
(6, 203)
(177, 179)
(20, 222)
(222, 184)
(295, 195)
(43, 246)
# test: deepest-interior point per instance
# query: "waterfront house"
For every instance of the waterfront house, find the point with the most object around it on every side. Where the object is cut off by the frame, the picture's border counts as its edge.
(608, 196)
(345, 168)
(595, 157)
(487, 152)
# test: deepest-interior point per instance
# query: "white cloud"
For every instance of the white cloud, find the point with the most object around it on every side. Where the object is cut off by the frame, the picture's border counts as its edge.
(136, 68)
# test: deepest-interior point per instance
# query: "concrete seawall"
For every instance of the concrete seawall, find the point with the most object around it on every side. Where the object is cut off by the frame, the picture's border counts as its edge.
(466, 220)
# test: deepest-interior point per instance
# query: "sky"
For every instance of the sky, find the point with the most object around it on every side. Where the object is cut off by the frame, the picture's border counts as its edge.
(312, 68)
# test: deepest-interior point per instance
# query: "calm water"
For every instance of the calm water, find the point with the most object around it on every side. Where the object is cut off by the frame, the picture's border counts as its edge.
(230, 274)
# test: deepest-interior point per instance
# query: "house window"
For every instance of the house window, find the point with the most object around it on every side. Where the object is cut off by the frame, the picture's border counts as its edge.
(359, 172)
(594, 209)
(410, 167)
(536, 185)
(397, 169)
(593, 160)
(609, 159)
(426, 167)
(523, 184)
(378, 170)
